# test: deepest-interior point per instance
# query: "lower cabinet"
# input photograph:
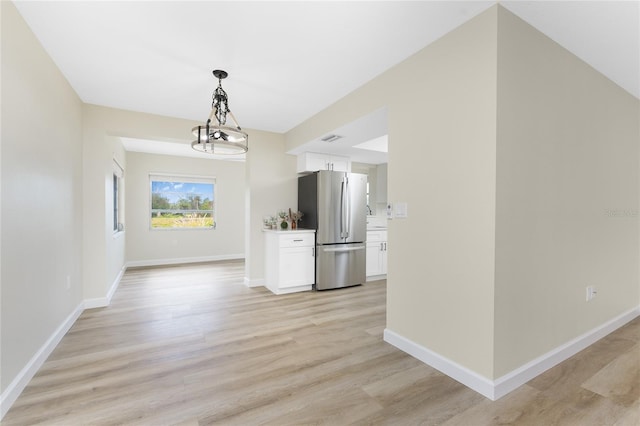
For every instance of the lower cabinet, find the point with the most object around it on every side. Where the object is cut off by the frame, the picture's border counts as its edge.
(376, 255)
(289, 260)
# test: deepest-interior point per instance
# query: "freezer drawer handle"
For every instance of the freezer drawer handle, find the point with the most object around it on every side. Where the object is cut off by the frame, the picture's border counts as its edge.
(343, 249)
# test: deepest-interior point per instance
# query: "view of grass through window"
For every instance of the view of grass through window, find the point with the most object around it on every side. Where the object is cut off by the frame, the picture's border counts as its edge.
(182, 204)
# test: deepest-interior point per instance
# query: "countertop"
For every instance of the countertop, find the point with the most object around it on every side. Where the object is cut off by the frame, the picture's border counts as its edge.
(288, 231)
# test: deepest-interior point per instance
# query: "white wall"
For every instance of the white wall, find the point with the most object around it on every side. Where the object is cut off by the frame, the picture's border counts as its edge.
(567, 182)
(145, 246)
(41, 202)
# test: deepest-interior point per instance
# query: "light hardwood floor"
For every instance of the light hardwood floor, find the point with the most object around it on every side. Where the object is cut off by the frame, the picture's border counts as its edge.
(190, 344)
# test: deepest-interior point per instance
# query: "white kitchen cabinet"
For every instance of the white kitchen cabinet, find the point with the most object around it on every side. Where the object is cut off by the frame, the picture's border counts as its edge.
(376, 255)
(313, 161)
(289, 260)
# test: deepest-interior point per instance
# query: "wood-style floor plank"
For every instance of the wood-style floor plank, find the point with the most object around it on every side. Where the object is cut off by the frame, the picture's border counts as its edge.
(192, 345)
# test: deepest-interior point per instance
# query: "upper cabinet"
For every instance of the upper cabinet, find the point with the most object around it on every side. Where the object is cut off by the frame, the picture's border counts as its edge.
(313, 161)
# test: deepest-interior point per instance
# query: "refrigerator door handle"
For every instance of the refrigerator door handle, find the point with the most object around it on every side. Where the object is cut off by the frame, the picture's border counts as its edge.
(348, 206)
(344, 232)
(343, 249)
(345, 208)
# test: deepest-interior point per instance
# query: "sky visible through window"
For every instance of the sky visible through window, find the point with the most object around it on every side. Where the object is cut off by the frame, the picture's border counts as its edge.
(175, 191)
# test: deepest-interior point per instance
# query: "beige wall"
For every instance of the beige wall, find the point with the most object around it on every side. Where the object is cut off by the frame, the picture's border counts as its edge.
(442, 163)
(41, 196)
(442, 116)
(104, 255)
(568, 141)
(478, 95)
(271, 185)
(145, 246)
(509, 152)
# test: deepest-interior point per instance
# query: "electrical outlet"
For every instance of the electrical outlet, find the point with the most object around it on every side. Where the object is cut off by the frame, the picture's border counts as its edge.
(68, 286)
(591, 293)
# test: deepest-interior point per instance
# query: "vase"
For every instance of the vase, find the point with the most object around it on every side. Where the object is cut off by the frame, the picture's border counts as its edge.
(294, 225)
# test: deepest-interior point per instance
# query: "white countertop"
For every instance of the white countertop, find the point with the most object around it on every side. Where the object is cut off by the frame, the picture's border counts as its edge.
(288, 231)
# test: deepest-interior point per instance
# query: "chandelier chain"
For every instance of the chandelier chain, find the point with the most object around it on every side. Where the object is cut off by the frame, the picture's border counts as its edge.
(220, 104)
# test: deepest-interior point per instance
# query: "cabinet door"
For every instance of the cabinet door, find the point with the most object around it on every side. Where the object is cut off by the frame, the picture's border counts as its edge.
(312, 162)
(373, 258)
(297, 266)
(383, 258)
(340, 164)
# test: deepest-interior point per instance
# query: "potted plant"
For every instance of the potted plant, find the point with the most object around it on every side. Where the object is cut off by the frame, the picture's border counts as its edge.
(283, 219)
(295, 217)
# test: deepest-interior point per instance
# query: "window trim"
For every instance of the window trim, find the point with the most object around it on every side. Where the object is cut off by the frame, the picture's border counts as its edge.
(118, 198)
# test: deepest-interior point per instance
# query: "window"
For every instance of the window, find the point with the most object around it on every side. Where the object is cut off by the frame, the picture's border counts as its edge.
(118, 197)
(115, 202)
(182, 202)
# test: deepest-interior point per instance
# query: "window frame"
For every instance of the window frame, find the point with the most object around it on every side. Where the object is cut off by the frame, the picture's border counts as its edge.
(185, 179)
(117, 197)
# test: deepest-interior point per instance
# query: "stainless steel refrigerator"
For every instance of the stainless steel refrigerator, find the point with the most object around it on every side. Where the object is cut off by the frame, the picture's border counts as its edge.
(334, 204)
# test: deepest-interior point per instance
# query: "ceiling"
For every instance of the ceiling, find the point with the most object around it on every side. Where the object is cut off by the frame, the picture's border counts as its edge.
(288, 60)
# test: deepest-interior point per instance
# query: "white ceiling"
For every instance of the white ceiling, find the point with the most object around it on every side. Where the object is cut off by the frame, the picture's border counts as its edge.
(288, 60)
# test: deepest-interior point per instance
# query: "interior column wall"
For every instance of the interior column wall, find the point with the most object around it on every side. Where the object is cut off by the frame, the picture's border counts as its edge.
(567, 196)
(442, 117)
(271, 185)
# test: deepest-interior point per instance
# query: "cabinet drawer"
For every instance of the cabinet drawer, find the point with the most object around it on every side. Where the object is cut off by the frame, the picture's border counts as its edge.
(376, 236)
(297, 240)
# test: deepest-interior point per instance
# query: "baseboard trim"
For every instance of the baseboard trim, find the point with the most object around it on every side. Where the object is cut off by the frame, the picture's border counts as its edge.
(376, 277)
(96, 302)
(177, 261)
(496, 389)
(102, 302)
(516, 378)
(467, 377)
(259, 282)
(15, 388)
(290, 290)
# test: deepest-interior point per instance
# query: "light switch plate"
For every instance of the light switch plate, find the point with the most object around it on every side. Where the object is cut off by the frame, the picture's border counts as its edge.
(400, 209)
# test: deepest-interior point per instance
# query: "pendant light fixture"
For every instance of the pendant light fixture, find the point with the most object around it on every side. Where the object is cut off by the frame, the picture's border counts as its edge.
(216, 137)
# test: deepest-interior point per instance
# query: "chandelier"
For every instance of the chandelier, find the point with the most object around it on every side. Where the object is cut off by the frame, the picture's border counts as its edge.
(216, 137)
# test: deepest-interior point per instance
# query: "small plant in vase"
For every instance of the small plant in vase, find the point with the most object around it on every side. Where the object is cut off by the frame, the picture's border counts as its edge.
(283, 219)
(295, 217)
